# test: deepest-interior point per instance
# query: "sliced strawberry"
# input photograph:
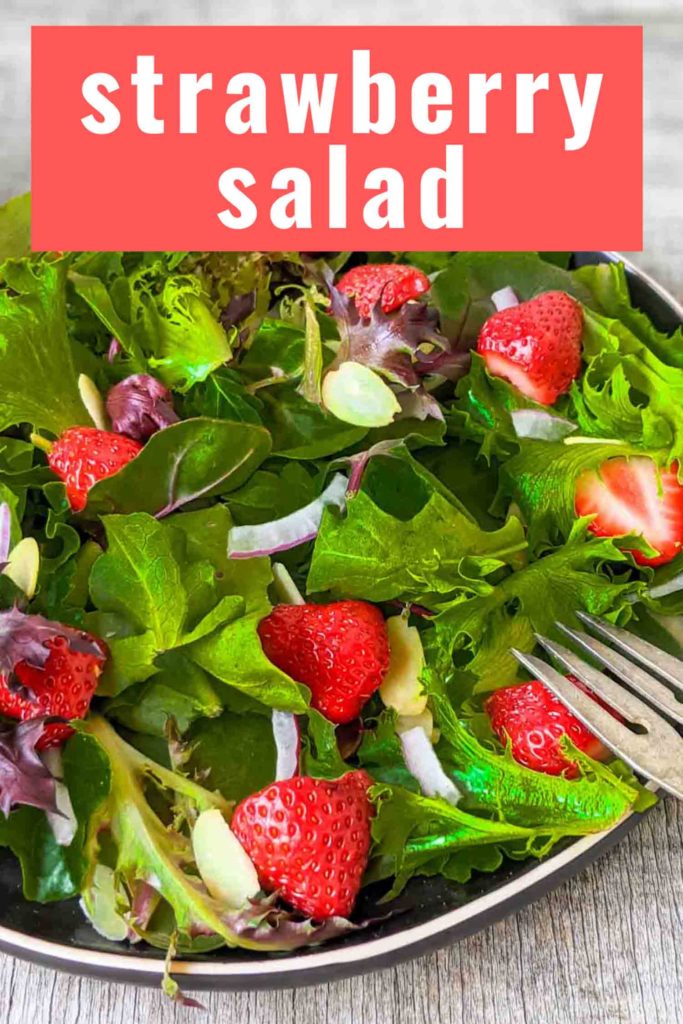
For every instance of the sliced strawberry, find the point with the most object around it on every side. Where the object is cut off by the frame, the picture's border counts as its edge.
(339, 650)
(532, 720)
(84, 455)
(535, 345)
(309, 839)
(634, 496)
(392, 283)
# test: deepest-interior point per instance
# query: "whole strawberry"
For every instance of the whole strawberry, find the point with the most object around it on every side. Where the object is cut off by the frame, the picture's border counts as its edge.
(634, 496)
(84, 455)
(46, 669)
(339, 650)
(532, 720)
(535, 345)
(309, 840)
(392, 283)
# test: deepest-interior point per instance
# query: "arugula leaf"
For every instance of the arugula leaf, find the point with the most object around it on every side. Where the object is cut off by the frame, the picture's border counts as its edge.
(37, 365)
(223, 396)
(272, 493)
(473, 634)
(278, 349)
(378, 552)
(193, 459)
(50, 871)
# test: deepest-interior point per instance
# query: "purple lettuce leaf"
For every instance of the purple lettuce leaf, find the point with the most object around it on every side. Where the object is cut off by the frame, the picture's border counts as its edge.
(386, 342)
(24, 779)
(24, 638)
(139, 406)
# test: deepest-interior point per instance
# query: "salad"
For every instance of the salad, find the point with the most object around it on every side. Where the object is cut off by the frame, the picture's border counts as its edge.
(270, 526)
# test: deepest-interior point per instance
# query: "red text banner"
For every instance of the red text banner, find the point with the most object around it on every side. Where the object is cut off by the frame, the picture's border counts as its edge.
(321, 138)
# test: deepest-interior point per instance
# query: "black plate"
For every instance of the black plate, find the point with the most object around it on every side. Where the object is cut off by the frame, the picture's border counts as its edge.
(431, 912)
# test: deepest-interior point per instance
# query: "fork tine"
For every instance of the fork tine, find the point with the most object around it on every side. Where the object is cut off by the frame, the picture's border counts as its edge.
(642, 651)
(637, 678)
(657, 755)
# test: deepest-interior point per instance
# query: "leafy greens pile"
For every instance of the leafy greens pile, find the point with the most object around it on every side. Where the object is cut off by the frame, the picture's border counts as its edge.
(452, 513)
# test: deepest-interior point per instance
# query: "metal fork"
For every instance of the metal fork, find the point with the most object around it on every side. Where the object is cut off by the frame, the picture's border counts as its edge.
(655, 751)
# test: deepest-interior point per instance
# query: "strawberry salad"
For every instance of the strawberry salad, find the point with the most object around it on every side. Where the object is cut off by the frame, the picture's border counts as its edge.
(270, 525)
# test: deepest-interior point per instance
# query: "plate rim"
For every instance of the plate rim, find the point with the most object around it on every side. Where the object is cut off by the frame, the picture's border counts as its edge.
(325, 964)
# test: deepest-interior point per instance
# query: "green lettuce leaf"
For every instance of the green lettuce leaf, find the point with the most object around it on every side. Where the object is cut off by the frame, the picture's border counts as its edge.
(15, 228)
(234, 754)
(152, 597)
(37, 361)
(193, 459)
(50, 871)
(383, 549)
(145, 844)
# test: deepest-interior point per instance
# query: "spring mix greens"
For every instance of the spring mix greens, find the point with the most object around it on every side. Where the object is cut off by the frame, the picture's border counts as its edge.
(283, 444)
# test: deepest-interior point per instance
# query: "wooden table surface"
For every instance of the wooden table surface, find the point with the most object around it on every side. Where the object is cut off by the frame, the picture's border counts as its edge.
(604, 948)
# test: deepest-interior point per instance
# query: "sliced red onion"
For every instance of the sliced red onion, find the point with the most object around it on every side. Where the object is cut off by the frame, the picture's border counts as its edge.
(504, 298)
(289, 531)
(63, 823)
(287, 590)
(540, 425)
(424, 765)
(5, 529)
(287, 744)
(114, 350)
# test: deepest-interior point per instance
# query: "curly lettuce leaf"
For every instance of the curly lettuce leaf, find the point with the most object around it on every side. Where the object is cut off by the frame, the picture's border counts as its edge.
(419, 835)
(158, 317)
(494, 783)
(542, 477)
(472, 635)
(37, 359)
(627, 391)
(608, 284)
(151, 848)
